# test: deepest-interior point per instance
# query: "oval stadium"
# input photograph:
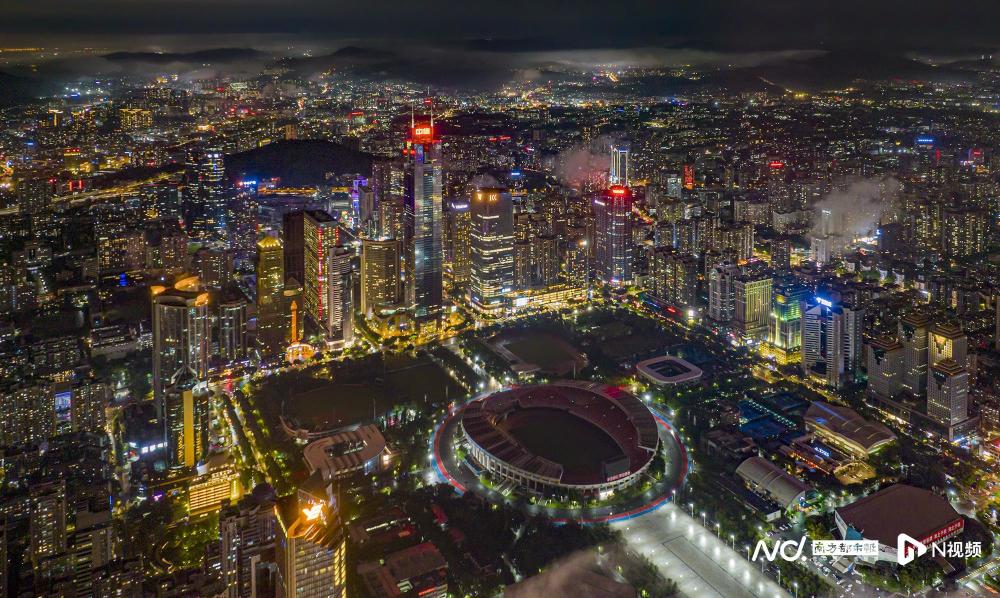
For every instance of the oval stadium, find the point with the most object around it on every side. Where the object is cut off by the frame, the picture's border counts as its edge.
(562, 438)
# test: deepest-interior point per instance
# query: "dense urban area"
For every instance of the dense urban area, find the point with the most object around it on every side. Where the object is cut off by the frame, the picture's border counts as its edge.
(603, 330)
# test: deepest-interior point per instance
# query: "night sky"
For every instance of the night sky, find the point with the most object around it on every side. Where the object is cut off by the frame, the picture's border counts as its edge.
(739, 25)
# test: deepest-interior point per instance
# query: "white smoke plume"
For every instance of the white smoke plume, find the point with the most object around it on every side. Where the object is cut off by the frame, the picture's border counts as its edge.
(853, 209)
(586, 164)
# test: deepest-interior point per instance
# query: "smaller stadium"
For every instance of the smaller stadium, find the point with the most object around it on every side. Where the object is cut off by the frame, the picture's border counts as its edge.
(565, 438)
(669, 371)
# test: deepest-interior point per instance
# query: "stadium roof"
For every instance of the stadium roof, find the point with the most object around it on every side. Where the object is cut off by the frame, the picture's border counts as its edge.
(898, 509)
(771, 479)
(847, 424)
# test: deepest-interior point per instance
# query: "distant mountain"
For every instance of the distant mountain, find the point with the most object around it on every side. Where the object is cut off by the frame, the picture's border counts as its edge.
(298, 163)
(18, 90)
(201, 56)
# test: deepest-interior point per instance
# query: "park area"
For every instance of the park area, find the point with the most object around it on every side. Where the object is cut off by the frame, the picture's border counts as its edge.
(350, 392)
(539, 350)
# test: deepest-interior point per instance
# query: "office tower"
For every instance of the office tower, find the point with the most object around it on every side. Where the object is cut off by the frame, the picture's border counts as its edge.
(885, 367)
(781, 255)
(492, 243)
(784, 327)
(88, 409)
(619, 165)
(166, 247)
(422, 244)
(185, 425)
(575, 260)
(381, 272)
(752, 298)
(213, 267)
(522, 264)
(459, 246)
(271, 333)
(831, 341)
(181, 334)
(544, 260)
(340, 297)
(232, 339)
(913, 333)
(964, 232)
(205, 197)
(34, 195)
(721, 292)
(735, 241)
(310, 545)
(241, 223)
(46, 520)
(246, 536)
(674, 277)
(320, 237)
(948, 393)
(947, 341)
(613, 235)
(388, 188)
(292, 235)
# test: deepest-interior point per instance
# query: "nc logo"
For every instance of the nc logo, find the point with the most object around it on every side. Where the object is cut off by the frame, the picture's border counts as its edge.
(789, 550)
(908, 549)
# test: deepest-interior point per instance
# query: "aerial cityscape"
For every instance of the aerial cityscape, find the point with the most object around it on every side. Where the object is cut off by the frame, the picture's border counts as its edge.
(628, 301)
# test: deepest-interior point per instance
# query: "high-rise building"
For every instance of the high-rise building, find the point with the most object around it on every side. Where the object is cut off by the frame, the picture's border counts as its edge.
(784, 327)
(964, 232)
(948, 393)
(674, 277)
(459, 246)
(492, 244)
(381, 272)
(781, 255)
(831, 341)
(271, 333)
(947, 341)
(46, 520)
(613, 235)
(619, 165)
(186, 421)
(320, 237)
(885, 367)
(752, 298)
(205, 198)
(232, 330)
(913, 333)
(422, 242)
(340, 299)
(722, 292)
(310, 545)
(182, 334)
(246, 536)
(292, 235)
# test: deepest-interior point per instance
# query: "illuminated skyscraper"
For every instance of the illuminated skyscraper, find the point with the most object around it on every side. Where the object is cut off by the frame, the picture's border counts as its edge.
(613, 235)
(381, 287)
(885, 367)
(319, 234)
(831, 341)
(784, 327)
(186, 420)
(340, 297)
(948, 393)
(492, 240)
(181, 334)
(913, 333)
(270, 294)
(947, 341)
(674, 277)
(459, 245)
(619, 165)
(311, 545)
(232, 330)
(424, 251)
(722, 292)
(752, 298)
(206, 195)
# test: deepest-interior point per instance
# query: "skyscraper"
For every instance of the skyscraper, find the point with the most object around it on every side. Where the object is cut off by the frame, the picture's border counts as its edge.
(674, 277)
(885, 367)
(831, 341)
(784, 327)
(319, 234)
(181, 334)
(619, 165)
(913, 333)
(458, 248)
(722, 292)
(613, 235)
(186, 420)
(292, 235)
(424, 251)
(381, 265)
(492, 241)
(232, 330)
(752, 297)
(340, 297)
(310, 546)
(271, 332)
(206, 195)
(948, 393)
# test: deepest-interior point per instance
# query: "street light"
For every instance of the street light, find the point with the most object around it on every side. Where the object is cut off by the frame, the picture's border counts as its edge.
(795, 584)
(732, 539)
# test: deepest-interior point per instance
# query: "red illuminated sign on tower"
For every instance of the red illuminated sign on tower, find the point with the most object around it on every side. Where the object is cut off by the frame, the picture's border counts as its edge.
(688, 176)
(422, 133)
